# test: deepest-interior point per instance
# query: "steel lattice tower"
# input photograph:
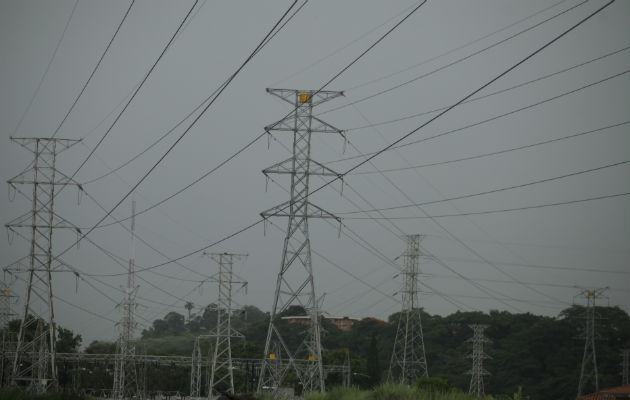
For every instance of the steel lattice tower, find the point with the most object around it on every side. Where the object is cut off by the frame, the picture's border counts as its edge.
(588, 372)
(295, 284)
(34, 364)
(221, 367)
(127, 384)
(625, 356)
(477, 372)
(195, 370)
(408, 361)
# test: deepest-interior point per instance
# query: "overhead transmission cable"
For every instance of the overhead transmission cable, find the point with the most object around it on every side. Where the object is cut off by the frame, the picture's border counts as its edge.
(504, 210)
(496, 117)
(219, 93)
(576, 173)
(98, 64)
(604, 129)
(415, 115)
(197, 108)
(384, 91)
(135, 92)
(467, 44)
(405, 136)
(52, 58)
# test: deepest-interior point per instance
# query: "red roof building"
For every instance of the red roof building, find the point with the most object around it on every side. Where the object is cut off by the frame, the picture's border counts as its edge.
(618, 392)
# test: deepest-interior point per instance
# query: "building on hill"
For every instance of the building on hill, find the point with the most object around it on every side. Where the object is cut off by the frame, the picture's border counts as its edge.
(617, 392)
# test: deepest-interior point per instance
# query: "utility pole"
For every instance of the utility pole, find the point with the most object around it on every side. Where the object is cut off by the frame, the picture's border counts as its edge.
(408, 361)
(35, 364)
(295, 284)
(588, 372)
(221, 370)
(625, 355)
(477, 372)
(127, 384)
(347, 370)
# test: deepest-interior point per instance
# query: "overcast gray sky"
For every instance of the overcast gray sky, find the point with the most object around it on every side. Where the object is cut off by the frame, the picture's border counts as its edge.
(529, 260)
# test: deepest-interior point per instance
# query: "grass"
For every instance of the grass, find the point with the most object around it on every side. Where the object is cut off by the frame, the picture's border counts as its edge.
(388, 392)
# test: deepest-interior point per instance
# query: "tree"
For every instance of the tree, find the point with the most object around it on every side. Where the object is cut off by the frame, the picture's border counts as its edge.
(373, 369)
(67, 341)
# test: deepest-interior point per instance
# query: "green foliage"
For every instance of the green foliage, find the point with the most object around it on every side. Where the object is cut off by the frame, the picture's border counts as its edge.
(434, 385)
(373, 369)
(19, 394)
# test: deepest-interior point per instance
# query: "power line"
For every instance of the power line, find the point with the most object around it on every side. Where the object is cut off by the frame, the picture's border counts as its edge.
(135, 92)
(451, 63)
(527, 146)
(540, 78)
(466, 196)
(502, 210)
(391, 145)
(532, 105)
(208, 98)
(76, 100)
(459, 47)
(52, 58)
(187, 129)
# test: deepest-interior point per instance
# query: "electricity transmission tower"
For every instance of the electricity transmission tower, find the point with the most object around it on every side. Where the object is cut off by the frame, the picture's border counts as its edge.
(127, 383)
(221, 374)
(295, 284)
(408, 361)
(588, 372)
(34, 364)
(477, 372)
(625, 354)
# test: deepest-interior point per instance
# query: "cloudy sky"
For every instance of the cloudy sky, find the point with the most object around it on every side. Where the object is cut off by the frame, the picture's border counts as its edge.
(553, 132)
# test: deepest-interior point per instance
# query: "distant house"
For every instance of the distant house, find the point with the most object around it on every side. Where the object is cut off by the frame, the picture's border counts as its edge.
(618, 392)
(343, 323)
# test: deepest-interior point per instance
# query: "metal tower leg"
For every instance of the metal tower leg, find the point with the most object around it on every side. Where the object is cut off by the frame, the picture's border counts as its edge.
(295, 285)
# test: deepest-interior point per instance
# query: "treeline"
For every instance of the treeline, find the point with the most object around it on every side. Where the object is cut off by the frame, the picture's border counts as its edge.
(540, 354)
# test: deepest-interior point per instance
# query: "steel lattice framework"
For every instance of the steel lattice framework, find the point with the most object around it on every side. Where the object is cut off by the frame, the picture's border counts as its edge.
(6, 314)
(588, 372)
(127, 384)
(221, 368)
(477, 371)
(37, 333)
(295, 284)
(408, 361)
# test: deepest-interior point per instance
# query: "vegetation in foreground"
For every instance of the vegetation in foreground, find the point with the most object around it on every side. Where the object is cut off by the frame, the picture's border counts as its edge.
(19, 394)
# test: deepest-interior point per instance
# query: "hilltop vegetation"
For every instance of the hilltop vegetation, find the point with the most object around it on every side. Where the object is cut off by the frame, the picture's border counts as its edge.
(541, 354)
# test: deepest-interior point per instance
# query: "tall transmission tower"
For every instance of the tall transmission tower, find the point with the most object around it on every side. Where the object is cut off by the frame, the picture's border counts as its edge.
(625, 358)
(588, 372)
(295, 284)
(35, 364)
(127, 383)
(408, 361)
(221, 375)
(477, 371)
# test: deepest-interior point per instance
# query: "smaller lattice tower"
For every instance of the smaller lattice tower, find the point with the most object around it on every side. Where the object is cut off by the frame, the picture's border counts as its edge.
(477, 371)
(127, 382)
(408, 361)
(588, 372)
(221, 368)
